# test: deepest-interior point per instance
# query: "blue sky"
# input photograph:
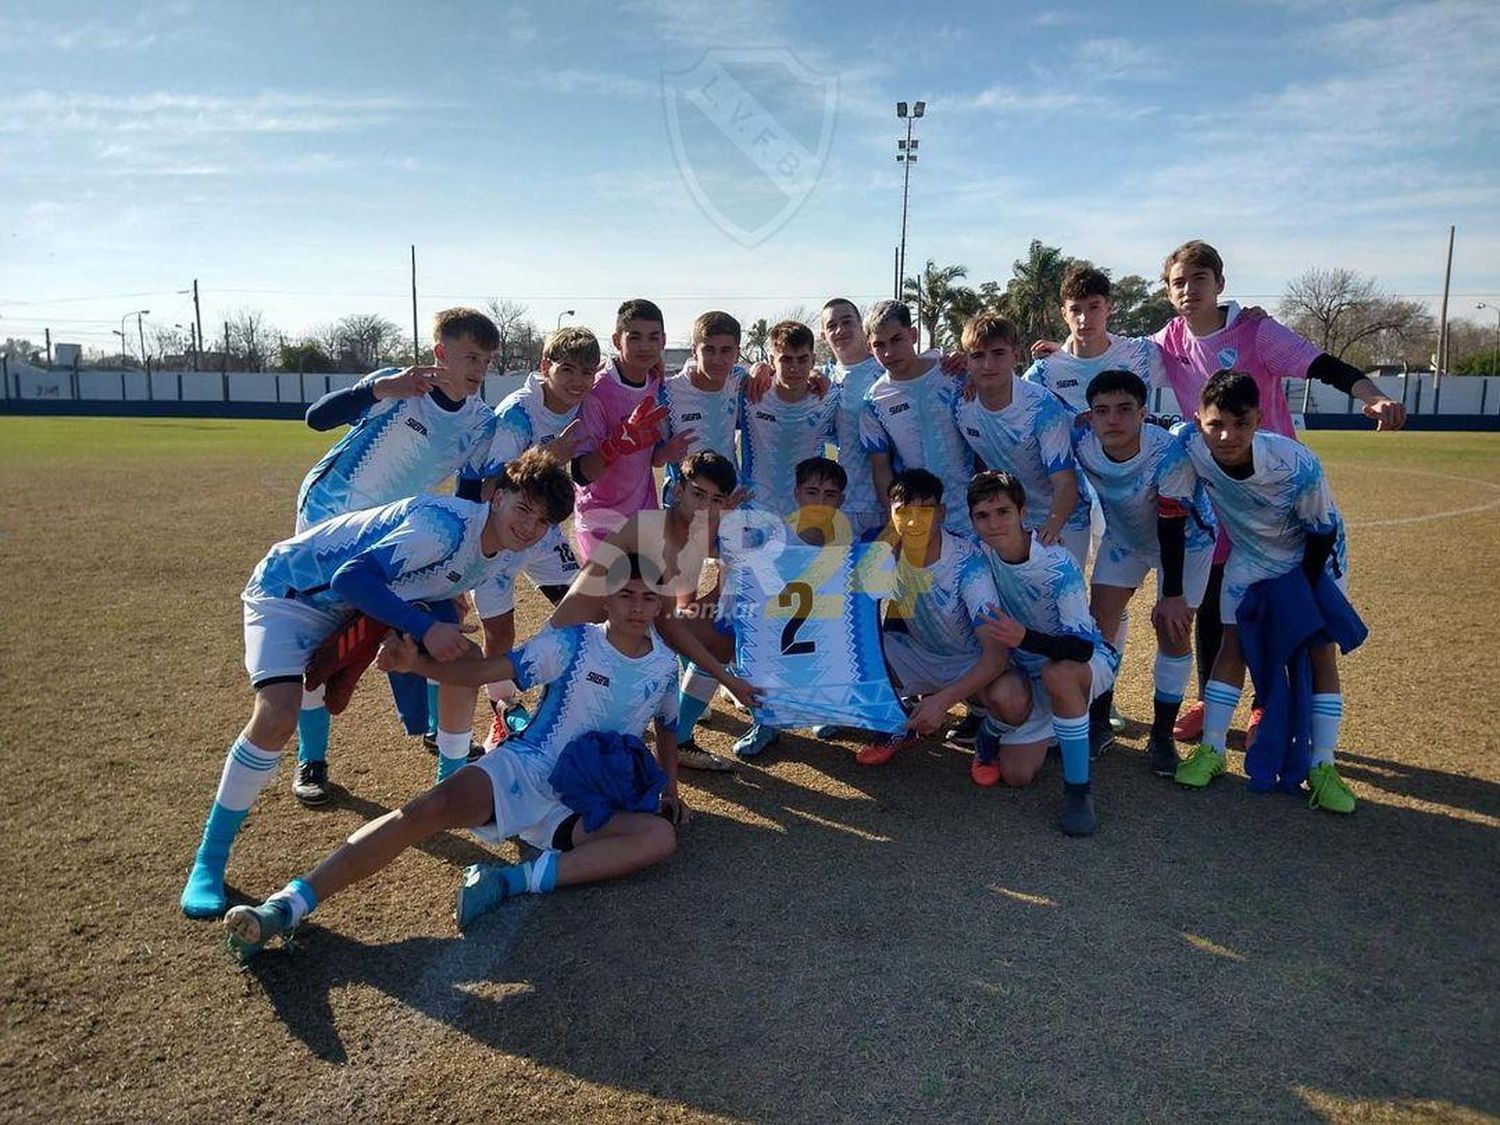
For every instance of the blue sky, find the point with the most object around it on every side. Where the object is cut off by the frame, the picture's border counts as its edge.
(567, 155)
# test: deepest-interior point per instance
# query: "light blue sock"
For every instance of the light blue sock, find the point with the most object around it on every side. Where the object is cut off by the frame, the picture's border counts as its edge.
(697, 693)
(298, 899)
(1219, 701)
(432, 708)
(312, 734)
(1073, 738)
(203, 896)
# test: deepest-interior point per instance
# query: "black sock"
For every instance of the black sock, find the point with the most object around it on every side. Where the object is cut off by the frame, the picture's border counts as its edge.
(1100, 708)
(1165, 717)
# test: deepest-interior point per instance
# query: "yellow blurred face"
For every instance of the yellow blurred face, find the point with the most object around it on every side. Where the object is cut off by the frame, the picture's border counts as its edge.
(915, 521)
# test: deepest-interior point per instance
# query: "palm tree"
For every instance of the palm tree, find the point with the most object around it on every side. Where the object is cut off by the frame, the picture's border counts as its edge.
(931, 292)
(757, 336)
(1031, 297)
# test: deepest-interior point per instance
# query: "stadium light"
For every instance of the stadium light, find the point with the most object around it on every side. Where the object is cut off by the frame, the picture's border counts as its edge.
(906, 155)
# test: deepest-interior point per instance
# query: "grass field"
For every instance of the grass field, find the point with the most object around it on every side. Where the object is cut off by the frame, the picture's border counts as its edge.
(828, 943)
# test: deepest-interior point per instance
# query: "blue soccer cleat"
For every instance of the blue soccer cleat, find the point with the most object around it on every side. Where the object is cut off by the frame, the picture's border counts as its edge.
(485, 886)
(754, 740)
(249, 928)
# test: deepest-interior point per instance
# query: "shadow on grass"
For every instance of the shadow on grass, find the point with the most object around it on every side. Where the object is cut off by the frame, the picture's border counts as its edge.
(904, 945)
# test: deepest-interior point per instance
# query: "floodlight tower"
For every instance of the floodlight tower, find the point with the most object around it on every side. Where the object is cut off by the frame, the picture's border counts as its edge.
(906, 154)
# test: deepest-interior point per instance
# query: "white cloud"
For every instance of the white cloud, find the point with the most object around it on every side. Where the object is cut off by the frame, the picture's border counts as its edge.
(46, 112)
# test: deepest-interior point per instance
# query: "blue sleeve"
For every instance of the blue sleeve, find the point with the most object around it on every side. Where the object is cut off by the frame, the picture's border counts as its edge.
(362, 583)
(340, 408)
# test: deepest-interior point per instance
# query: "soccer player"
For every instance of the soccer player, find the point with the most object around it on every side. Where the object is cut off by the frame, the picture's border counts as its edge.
(541, 413)
(852, 372)
(1273, 499)
(1156, 518)
(703, 399)
(1044, 620)
(943, 589)
(384, 562)
(1207, 336)
(908, 419)
(1017, 427)
(789, 425)
(408, 432)
(620, 424)
(1087, 305)
(612, 678)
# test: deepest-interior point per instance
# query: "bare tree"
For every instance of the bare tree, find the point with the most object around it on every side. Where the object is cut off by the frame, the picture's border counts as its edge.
(250, 337)
(1349, 317)
(364, 340)
(520, 339)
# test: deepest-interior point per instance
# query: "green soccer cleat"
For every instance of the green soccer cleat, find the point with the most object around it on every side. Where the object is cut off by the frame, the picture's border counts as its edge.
(249, 928)
(1200, 767)
(1329, 791)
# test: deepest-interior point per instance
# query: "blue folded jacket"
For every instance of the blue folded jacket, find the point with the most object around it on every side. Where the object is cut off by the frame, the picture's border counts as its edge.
(1278, 619)
(601, 773)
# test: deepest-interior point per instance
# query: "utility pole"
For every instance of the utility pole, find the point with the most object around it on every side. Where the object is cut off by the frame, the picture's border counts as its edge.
(48, 331)
(197, 319)
(1437, 381)
(416, 340)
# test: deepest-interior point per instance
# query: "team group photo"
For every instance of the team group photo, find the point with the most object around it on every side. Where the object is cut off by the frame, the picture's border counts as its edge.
(693, 654)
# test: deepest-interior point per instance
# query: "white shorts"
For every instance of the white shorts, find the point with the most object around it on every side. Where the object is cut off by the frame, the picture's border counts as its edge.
(1038, 724)
(1237, 582)
(558, 566)
(281, 635)
(1127, 569)
(525, 805)
(922, 671)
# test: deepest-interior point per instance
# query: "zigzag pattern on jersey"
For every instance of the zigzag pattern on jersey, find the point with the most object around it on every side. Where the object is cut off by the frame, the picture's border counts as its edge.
(554, 703)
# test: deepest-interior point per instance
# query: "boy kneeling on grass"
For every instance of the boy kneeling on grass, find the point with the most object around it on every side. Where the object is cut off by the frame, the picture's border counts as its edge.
(609, 678)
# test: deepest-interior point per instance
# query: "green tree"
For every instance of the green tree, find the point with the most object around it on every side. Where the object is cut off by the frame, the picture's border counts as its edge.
(1140, 310)
(1031, 296)
(929, 294)
(305, 355)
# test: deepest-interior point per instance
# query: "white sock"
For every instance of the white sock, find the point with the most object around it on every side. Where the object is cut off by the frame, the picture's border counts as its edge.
(247, 770)
(1122, 634)
(1170, 676)
(1327, 714)
(1219, 701)
(453, 744)
(312, 699)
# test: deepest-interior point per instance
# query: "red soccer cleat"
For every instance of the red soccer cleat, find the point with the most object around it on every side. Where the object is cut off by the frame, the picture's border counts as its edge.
(1189, 726)
(877, 753)
(986, 775)
(1252, 728)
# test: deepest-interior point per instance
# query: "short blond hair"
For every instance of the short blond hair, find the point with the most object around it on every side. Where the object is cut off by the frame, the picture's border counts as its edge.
(573, 344)
(989, 326)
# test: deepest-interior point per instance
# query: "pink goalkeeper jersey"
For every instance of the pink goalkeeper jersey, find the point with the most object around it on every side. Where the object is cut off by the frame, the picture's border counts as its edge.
(628, 485)
(1264, 349)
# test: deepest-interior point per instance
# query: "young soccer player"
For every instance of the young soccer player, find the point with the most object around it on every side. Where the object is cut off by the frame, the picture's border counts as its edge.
(384, 562)
(1021, 429)
(1087, 305)
(612, 678)
(1206, 337)
(908, 419)
(852, 373)
(542, 413)
(409, 431)
(1156, 518)
(1044, 620)
(703, 399)
(1273, 499)
(620, 424)
(943, 589)
(789, 425)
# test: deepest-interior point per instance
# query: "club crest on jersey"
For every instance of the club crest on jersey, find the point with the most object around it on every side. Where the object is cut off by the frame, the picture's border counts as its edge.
(414, 424)
(762, 113)
(1227, 357)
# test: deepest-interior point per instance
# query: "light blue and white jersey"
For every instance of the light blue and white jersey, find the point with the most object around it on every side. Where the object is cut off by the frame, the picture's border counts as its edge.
(1031, 439)
(940, 604)
(1046, 593)
(912, 422)
(1068, 376)
(775, 435)
(807, 627)
(591, 686)
(714, 416)
(1129, 491)
(522, 420)
(399, 447)
(853, 383)
(425, 548)
(1269, 515)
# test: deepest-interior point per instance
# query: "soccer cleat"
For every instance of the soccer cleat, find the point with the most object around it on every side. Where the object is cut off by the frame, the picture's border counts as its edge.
(828, 732)
(249, 928)
(1163, 754)
(1200, 767)
(1101, 738)
(691, 756)
(1252, 728)
(1189, 726)
(984, 774)
(965, 731)
(754, 740)
(1328, 790)
(878, 753)
(429, 742)
(1077, 817)
(499, 731)
(1116, 720)
(484, 887)
(310, 783)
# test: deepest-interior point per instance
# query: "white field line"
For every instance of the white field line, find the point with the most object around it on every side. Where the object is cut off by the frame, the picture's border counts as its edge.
(1448, 513)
